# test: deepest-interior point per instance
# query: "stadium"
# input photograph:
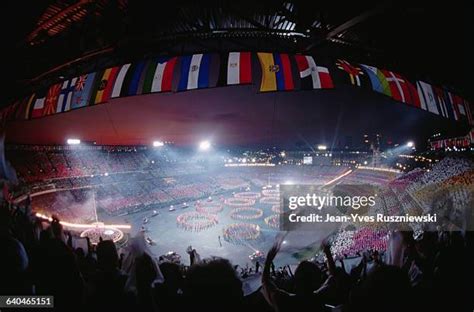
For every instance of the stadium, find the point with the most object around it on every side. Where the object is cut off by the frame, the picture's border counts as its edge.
(150, 152)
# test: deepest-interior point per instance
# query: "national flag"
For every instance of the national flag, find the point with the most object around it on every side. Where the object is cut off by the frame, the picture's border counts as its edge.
(311, 75)
(159, 75)
(377, 79)
(235, 68)
(65, 97)
(103, 85)
(456, 103)
(137, 79)
(402, 89)
(38, 106)
(133, 78)
(427, 97)
(276, 72)
(117, 89)
(195, 72)
(444, 105)
(352, 71)
(82, 90)
(467, 107)
(51, 101)
(21, 113)
(27, 109)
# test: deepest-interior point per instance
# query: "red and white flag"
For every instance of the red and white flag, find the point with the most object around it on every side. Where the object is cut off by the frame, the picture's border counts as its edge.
(313, 76)
(401, 89)
(236, 68)
(163, 77)
(38, 107)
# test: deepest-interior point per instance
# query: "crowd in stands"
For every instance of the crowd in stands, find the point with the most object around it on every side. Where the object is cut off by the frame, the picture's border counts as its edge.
(351, 243)
(430, 273)
(369, 176)
(48, 163)
(447, 186)
(163, 185)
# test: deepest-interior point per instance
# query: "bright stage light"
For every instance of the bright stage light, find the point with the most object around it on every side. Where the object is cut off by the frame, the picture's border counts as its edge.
(410, 144)
(158, 144)
(322, 147)
(106, 174)
(204, 145)
(73, 141)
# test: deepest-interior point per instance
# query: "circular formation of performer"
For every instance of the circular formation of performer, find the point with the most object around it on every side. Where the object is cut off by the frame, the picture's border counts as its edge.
(210, 207)
(277, 209)
(195, 221)
(273, 221)
(246, 213)
(251, 195)
(270, 200)
(239, 202)
(98, 231)
(271, 193)
(238, 233)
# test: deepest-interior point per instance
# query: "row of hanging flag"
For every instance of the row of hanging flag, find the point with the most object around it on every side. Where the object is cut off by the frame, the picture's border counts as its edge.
(277, 72)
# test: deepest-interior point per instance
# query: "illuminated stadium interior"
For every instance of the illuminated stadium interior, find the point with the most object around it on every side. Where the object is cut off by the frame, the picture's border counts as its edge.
(149, 154)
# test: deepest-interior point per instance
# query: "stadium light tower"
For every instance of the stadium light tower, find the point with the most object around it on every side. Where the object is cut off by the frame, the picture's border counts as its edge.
(204, 145)
(73, 141)
(158, 144)
(322, 147)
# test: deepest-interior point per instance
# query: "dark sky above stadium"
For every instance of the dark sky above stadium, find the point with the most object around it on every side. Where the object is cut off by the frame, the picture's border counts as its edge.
(431, 41)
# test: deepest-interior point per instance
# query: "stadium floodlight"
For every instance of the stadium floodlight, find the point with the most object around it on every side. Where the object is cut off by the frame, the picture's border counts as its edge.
(158, 143)
(410, 144)
(204, 145)
(73, 141)
(322, 147)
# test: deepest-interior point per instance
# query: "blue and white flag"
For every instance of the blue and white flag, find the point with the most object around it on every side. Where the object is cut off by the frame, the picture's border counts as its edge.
(65, 97)
(195, 70)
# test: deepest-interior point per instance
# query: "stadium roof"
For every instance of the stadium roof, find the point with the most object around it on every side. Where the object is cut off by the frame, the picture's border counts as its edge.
(56, 38)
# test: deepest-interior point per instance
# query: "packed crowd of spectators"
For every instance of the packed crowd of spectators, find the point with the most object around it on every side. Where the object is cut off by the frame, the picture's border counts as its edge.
(431, 273)
(351, 243)
(369, 176)
(165, 185)
(38, 164)
(447, 186)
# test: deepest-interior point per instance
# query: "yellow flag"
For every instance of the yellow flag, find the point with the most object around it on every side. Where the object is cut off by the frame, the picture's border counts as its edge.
(268, 72)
